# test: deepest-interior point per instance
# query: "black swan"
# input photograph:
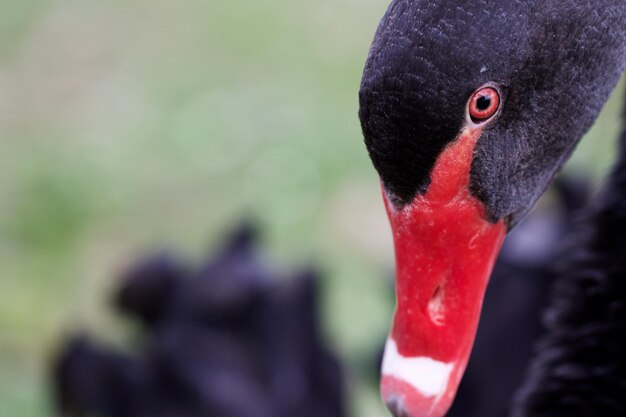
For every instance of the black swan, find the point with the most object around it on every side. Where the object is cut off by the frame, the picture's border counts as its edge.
(468, 110)
(234, 338)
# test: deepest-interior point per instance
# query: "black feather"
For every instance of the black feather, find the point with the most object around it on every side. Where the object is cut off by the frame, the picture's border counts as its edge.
(579, 368)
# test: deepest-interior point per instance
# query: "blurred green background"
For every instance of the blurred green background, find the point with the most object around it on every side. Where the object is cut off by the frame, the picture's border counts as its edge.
(127, 126)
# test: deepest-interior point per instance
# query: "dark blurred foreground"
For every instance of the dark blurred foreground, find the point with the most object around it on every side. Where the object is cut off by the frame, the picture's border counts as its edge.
(235, 338)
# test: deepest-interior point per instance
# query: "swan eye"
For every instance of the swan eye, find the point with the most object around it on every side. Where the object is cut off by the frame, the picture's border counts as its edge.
(484, 104)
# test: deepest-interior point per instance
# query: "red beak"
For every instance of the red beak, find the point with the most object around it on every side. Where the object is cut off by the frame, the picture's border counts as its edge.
(445, 251)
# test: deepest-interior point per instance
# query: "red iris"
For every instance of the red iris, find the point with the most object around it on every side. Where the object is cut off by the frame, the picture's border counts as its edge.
(484, 104)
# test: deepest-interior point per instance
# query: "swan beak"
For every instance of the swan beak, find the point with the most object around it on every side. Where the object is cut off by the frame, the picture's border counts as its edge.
(445, 251)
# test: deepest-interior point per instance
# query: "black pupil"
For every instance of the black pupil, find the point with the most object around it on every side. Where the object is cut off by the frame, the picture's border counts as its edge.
(483, 103)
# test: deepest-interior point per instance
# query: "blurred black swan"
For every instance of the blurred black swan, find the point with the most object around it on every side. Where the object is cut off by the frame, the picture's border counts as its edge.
(235, 338)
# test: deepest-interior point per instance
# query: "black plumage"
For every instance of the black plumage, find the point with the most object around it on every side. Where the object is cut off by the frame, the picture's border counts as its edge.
(236, 338)
(555, 62)
(579, 368)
